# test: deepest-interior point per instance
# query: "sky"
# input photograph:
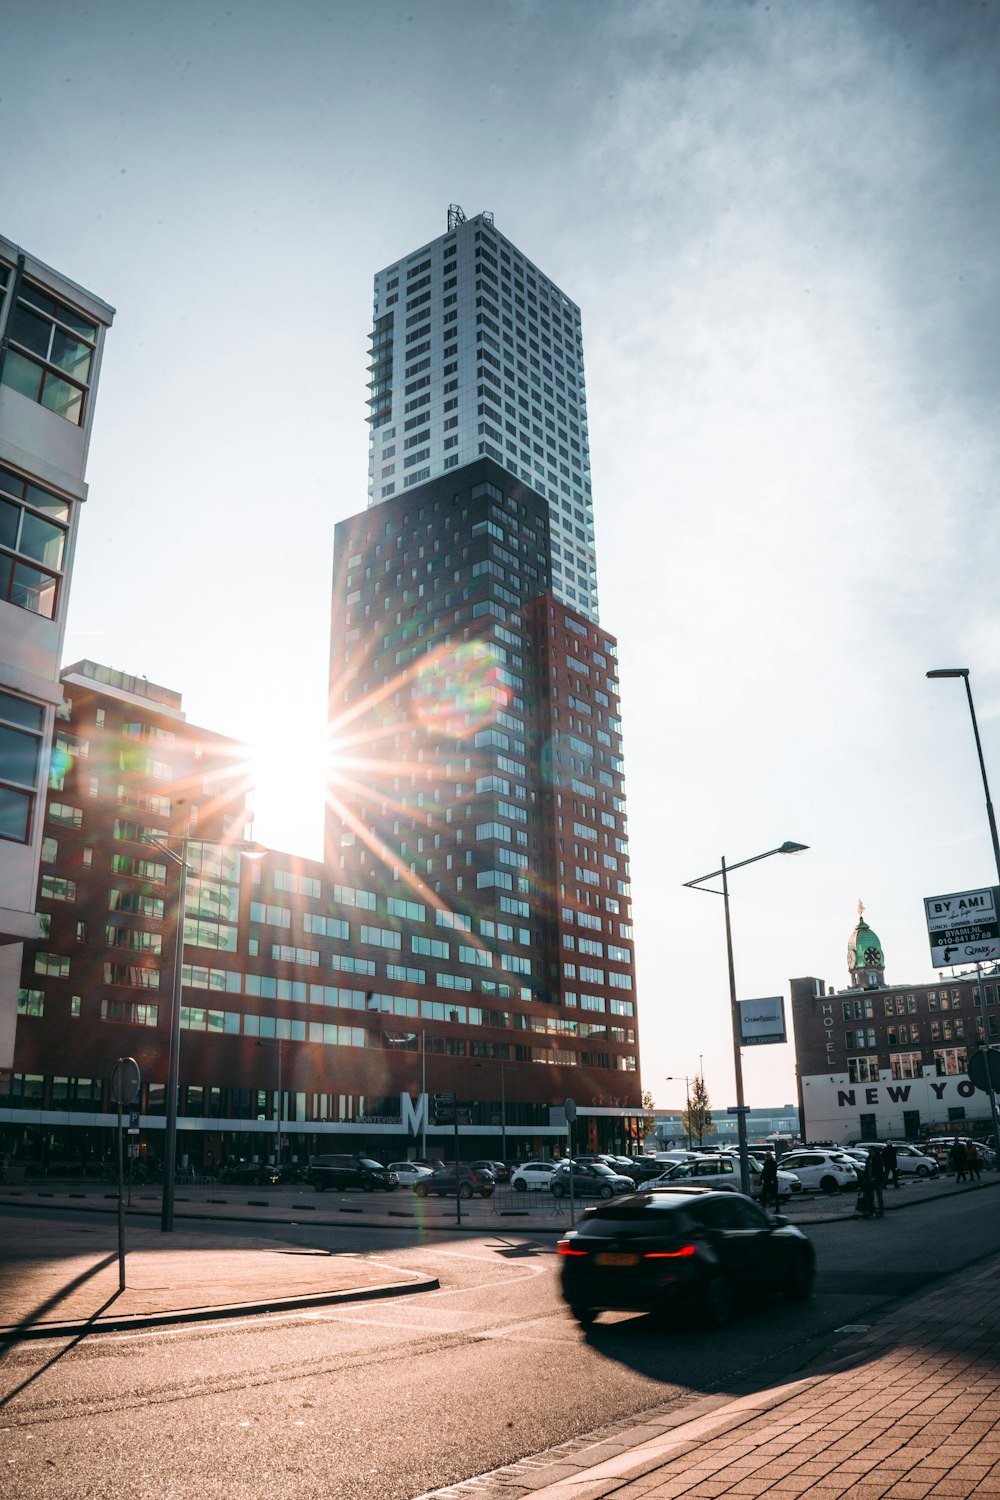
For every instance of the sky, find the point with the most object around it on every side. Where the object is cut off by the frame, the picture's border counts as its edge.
(780, 222)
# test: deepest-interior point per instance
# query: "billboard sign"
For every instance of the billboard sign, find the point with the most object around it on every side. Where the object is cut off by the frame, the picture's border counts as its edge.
(762, 1022)
(964, 927)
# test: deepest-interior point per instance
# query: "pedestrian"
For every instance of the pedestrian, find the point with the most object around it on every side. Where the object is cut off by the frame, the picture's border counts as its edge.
(958, 1160)
(890, 1162)
(972, 1161)
(864, 1208)
(769, 1182)
(878, 1180)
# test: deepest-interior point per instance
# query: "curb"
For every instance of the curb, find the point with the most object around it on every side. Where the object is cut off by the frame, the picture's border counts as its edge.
(15, 1334)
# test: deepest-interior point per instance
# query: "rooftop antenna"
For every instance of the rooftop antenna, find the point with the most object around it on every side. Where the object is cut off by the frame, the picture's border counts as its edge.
(456, 215)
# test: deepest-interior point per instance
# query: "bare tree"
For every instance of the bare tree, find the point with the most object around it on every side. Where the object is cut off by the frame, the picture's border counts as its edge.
(697, 1118)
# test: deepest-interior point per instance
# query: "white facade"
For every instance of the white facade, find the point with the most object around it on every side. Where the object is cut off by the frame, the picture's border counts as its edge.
(51, 339)
(833, 1107)
(475, 353)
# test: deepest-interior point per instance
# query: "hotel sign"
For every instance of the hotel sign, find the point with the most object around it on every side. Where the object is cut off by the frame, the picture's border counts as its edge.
(964, 928)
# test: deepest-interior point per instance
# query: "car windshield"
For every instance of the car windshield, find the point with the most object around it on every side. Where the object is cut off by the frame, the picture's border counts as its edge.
(372, 1166)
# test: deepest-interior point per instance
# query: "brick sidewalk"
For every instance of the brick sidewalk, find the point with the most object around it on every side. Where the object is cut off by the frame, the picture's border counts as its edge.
(910, 1409)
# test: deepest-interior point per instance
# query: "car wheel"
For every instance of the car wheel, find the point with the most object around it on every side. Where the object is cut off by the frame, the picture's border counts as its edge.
(487, 1192)
(465, 1190)
(368, 1187)
(607, 1192)
(923, 1171)
(830, 1186)
(557, 1190)
(319, 1186)
(520, 1187)
(798, 1286)
(420, 1190)
(585, 1316)
(717, 1301)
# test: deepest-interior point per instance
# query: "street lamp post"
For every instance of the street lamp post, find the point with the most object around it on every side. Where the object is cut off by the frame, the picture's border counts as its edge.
(277, 1112)
(180, 859)
(788, 847)
(503, 1107)
(963, 672)
(676, 1078)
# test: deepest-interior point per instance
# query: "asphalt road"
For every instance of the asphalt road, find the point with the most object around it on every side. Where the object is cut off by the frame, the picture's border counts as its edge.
(386, 1401)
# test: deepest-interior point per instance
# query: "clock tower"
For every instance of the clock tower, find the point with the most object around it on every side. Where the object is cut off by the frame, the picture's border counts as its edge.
(865, 959)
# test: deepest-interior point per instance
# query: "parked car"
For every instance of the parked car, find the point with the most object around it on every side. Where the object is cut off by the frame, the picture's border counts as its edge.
(408, 1173)
(499, 1169)
(650, 1250)
(909, 1160)
(471, 1182)
(789, 1185)
(829, 1171)
(250, 1174)
(719, 1172)
(590, 1180)
(532, 1176)
(939, 1146)
(341, 1172)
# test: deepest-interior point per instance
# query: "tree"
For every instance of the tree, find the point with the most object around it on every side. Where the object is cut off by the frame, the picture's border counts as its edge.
(647, 1120)
(696, 1120)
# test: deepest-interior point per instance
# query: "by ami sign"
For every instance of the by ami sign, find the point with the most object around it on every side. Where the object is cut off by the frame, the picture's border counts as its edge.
(963, 927)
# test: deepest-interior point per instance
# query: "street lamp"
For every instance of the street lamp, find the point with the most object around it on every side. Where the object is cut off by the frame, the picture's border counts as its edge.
(163, 843)
(277, 1112)
(676, 1078)
(963, 672)
(788, 847)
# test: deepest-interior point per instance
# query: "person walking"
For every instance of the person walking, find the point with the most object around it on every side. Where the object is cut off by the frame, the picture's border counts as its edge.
(864, 1208)
(769, 1182)
(878, 1181)
(890, 1162)
(972, 1161)
(958, 1160)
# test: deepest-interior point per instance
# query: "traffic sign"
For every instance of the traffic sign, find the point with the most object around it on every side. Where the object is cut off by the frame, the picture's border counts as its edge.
(964, 927)
(125, 1081)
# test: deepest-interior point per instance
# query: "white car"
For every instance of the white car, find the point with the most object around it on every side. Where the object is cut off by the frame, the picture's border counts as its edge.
(408, 1173)
(829, 1171)
(533, 1176)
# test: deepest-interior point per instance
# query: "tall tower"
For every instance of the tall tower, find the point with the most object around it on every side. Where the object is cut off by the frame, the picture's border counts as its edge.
(475, 353)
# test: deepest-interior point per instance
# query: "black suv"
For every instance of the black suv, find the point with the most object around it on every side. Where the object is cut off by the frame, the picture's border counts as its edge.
(348, 1172)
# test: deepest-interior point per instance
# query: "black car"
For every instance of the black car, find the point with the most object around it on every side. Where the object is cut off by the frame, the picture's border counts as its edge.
(648, 1251)
(341, 1172)
(498, 1169)
(250, 1174)
(471, 1182)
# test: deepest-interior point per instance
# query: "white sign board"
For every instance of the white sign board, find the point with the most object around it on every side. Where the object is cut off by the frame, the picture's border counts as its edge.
(762, 1022)
(964, 927)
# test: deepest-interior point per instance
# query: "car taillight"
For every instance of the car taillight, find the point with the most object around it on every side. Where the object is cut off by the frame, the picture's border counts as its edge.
(669, 1254)
(566, 1247)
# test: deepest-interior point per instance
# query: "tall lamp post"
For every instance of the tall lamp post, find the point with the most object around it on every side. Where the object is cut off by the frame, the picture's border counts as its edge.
(788, 847)
(963, 672)
(180, 859)
(503, 1108)
(676, 1078)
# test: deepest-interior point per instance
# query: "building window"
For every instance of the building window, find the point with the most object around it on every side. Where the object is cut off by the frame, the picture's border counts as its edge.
(33, 526)
(949, 1060)
(20, 759)
(50, 354)
(862, 1069)
(31, 1002)
(906, 1065)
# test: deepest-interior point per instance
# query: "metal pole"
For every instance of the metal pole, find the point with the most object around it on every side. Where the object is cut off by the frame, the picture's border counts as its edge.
(986, 785)
(741, 1119)
(173, 1065)
(121, 1204)
(989, 1071)
(277, 1132)
(503, 1115)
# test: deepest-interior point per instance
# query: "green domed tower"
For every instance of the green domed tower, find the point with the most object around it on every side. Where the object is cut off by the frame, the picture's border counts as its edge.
(865, 959)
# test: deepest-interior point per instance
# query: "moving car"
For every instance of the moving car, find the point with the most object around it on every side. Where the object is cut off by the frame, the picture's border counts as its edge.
(648, 1251)
(590, 1180)
(830, 1171)
(532, 1176)
(341, 1172)
(471, 1183)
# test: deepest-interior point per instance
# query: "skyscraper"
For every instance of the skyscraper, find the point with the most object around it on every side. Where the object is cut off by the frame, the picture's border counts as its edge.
(475, 353)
